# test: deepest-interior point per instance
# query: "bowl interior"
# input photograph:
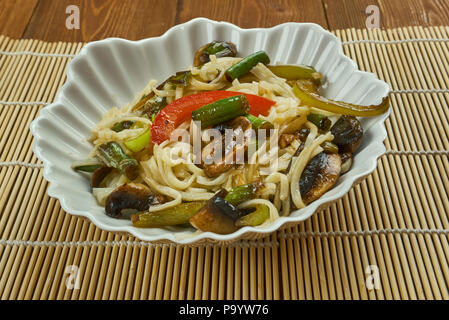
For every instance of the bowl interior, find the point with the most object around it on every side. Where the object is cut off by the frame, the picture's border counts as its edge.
(111, 72)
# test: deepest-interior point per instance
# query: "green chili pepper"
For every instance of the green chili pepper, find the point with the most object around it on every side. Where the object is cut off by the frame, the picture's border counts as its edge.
(255, 218)
(176, 215)
(246, 64)
(313, 99)
(113, 156)
(221, 111)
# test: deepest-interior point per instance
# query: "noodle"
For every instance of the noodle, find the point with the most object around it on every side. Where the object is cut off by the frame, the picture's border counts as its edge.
(171, 169)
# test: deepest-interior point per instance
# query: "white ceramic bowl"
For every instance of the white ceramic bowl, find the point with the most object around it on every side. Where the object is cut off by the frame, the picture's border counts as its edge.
(111, 72)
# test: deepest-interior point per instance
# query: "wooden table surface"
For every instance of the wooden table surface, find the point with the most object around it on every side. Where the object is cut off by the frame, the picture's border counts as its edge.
(137, 19)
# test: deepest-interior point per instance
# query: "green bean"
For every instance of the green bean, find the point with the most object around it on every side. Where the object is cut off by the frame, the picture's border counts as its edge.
(259, 123)
(246, 64)
(221, 111)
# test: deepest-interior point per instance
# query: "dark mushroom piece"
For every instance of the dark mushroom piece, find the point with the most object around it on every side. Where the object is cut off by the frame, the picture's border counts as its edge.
(217, 215)
(346, 162)
(132, 196)
(319, 175)
(348, 133)
(217, 48)
(240, 126)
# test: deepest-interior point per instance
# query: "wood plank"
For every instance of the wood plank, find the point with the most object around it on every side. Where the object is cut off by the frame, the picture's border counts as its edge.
(129, 19)
(254, 13)
(14, 16)
(393, 13)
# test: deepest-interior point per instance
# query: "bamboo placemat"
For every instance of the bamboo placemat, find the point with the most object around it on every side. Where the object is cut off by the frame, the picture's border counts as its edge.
(395, 222)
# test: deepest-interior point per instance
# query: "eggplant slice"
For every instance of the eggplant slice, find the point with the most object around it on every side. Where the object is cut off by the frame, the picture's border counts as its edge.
(348, 133)
(320, 175)
(217, 215)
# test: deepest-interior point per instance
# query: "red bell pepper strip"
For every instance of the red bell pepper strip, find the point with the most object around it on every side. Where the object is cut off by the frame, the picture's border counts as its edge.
(175, 113)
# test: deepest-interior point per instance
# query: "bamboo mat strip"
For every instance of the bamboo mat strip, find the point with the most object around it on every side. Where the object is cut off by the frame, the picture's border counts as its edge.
(394, 223)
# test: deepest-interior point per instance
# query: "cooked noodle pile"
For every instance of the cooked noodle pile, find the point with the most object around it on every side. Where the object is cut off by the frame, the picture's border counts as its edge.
(171, 171)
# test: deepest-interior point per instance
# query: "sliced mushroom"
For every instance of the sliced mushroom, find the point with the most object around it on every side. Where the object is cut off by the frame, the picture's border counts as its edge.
(217, 48)
(320, 175)
(239, 125)
(131, 196)
(99, 175)
(346, 162)
(348, 133)
(217, 215)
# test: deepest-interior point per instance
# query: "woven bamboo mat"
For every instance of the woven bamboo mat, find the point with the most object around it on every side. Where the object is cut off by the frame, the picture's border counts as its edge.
(394, 224)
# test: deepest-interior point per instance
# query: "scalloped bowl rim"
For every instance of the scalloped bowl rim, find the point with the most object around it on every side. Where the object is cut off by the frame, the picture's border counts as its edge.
(209, 236)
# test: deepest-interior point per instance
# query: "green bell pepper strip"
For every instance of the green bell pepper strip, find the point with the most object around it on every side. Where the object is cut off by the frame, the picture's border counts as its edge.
(313, 99)
(113, 156)
(296, 72)
(176, 215)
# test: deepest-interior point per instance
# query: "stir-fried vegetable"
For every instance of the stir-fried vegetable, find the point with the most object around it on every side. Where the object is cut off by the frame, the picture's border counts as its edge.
(221, 111)
(348, 133)
(113, 156)
(296, 72)
(255, 218)
(217, 215)
(176, 215)
(137, 144)
(89, 165)
(217, 48)
(329, 147)
(321, 121)
(246, 64)
(120, 126)
(259, 123)
(179, 110)
(154, 106)
(243, 193)
(134, 196)
(313, 99)
(319, 175)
